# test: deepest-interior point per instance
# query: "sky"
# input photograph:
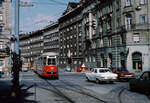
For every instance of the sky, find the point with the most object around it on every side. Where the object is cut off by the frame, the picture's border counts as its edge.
(40, 14)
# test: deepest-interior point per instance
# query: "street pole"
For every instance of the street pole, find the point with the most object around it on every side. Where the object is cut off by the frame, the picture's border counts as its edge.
(16, 54)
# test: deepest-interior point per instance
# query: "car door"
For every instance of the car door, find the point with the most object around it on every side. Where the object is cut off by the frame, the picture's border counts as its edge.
(90, 75)
(144, 81)
(93, 75)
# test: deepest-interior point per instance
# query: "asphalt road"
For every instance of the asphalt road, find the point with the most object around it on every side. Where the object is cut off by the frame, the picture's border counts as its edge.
(74, 88)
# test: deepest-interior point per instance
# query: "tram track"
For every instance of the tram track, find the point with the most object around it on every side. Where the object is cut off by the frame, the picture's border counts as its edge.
(69, 86)
(58, 92)
(66, 96)
(119, 95)
(79, 90)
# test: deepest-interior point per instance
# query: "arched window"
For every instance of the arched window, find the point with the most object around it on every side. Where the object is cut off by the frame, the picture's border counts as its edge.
(137, 61)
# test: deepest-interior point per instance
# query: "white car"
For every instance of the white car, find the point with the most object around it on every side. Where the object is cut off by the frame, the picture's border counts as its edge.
(101, 75)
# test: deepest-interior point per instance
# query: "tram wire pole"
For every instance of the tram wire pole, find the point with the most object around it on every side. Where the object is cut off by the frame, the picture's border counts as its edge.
(16, 54)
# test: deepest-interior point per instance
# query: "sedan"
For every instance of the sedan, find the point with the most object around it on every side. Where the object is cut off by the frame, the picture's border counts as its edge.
(101, 75)
(124, 74)
(141, 84)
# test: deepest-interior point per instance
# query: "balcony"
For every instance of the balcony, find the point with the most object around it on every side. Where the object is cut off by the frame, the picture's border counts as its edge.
(128, 9)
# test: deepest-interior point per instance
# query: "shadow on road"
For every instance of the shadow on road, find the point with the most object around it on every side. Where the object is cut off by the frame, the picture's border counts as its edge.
(5, 94)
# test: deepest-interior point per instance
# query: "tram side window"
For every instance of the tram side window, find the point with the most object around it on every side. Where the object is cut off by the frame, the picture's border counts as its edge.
(44, 61)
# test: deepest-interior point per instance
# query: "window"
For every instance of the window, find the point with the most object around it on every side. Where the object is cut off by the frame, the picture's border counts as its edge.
(121, 39)
(128, 21)
(142, 1)
(86, 59)
(95, 70)
(143, 21)
(146, 76)
(117, 4)
(1, 28)
(136, 38)
(128, 2)
(110, 41)
(94, 59)
(1, 17)
(0, 3)
(101, 43)
(89, 59)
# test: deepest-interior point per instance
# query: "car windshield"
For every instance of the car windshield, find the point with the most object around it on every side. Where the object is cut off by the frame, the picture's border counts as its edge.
(124, 70)
(104, 70)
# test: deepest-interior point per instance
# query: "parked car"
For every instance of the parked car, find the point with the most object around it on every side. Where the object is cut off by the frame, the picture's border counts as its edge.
(67, 69)
(101, 75)
(124, 74)
(141, 83)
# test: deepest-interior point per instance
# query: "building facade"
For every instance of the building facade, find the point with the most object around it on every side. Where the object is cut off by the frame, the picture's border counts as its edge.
(24, 46)
(31, 46)
(51, 38)
(70, 36)
(102, 33)
(117, 34)
(5, 32)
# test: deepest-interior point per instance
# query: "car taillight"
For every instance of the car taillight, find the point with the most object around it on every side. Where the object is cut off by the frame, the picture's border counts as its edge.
(121, 74)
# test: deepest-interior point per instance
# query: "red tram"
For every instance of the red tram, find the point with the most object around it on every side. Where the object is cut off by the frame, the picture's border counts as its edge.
(46, 65)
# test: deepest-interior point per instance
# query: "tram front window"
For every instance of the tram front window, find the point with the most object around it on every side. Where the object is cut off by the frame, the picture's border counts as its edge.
(51, 61)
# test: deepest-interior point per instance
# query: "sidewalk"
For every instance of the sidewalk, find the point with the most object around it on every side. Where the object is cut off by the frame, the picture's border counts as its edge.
(5, 93)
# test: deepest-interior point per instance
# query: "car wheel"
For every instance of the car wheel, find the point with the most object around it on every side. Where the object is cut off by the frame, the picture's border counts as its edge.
(132, 88)
(87, 79)
(97, 81)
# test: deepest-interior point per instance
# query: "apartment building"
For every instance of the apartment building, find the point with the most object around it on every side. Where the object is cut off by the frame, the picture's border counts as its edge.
(70, 36)
(51, 38)
(24, 46)
(117, 34)
(5, 25)
(5, 32)
(31, 46)
(102, 33)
